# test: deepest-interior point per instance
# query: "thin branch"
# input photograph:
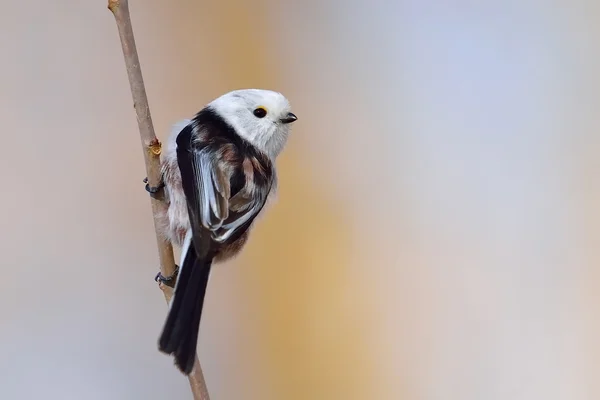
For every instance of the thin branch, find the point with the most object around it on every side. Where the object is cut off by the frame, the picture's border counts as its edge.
(152, 149)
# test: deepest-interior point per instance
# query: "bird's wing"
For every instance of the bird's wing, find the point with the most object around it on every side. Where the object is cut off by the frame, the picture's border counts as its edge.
(246, 204)
(206, 174)
(207, 183)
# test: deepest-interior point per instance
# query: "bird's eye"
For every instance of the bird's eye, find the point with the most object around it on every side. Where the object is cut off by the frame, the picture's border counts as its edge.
(260, 112)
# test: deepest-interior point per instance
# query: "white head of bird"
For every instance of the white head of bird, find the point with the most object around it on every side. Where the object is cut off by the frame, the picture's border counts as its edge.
(262, 117)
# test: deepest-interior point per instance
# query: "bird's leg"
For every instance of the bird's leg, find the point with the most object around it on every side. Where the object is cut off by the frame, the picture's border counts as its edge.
(154, 189)
(169, 281)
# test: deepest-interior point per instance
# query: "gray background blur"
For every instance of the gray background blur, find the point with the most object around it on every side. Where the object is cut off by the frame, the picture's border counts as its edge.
(437, 231)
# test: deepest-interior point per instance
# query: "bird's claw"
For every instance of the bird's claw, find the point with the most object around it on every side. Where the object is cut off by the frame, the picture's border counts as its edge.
(153, 189)
(168, 281)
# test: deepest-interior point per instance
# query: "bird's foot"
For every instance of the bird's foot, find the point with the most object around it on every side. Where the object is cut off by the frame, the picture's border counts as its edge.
(168, 281)
(153, 189)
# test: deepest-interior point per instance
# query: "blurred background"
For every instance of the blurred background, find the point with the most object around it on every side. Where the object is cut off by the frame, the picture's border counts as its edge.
(436, 235)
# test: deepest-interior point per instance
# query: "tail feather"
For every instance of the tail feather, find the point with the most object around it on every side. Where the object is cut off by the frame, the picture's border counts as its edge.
(167, 342)
(186, 351)
(180, 332)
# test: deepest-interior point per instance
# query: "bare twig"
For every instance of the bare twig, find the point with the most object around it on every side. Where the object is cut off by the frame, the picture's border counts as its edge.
(152, 149)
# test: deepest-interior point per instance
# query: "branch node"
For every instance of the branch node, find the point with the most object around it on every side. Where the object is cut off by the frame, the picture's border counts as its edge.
(113, 5)
(155, 146)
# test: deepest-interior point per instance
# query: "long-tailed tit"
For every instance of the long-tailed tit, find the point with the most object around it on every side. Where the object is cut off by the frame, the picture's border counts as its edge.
(218, 172)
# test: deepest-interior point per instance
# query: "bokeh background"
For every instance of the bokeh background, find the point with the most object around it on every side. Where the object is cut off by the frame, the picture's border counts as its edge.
(437, 231)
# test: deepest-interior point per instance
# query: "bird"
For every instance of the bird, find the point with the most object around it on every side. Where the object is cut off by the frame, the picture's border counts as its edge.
(218, 174)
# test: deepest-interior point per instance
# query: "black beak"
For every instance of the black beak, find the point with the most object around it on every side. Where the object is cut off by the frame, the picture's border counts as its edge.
(288, 118)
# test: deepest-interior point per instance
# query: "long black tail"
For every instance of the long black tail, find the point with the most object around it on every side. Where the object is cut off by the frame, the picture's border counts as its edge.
(180, 332)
